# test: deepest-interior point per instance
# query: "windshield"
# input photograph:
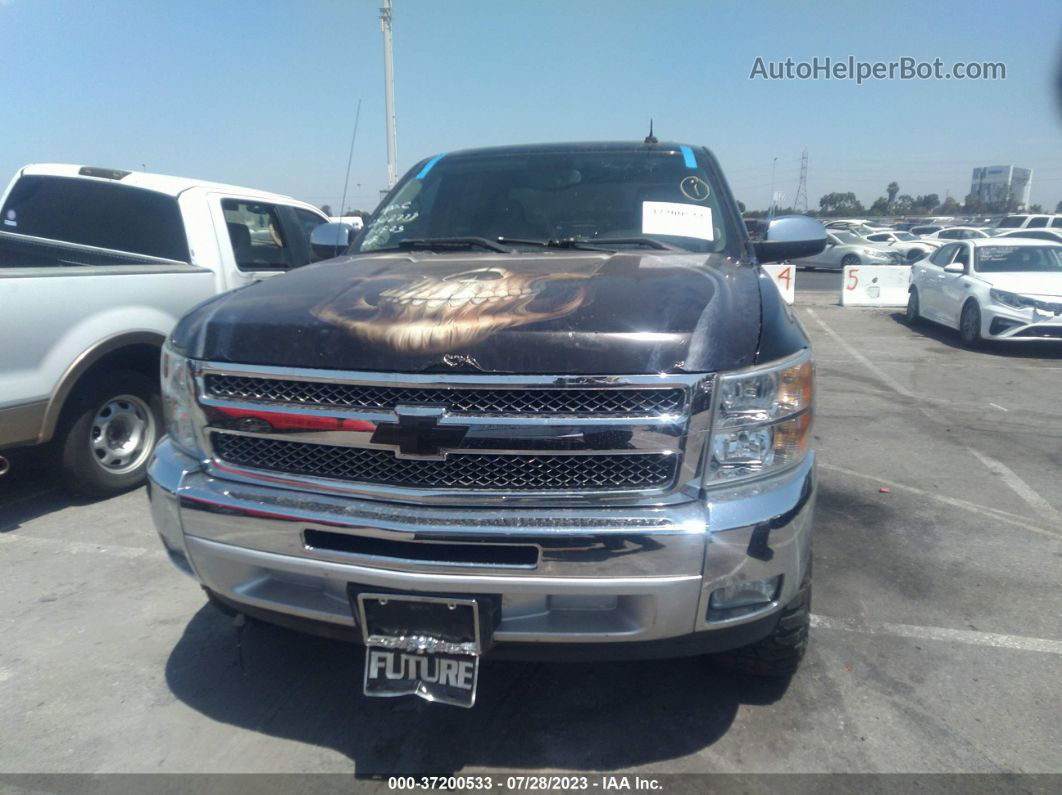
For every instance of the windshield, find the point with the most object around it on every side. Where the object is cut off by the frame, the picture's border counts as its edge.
(618, 197)
(848, 238)
(1019, 259)
(905, 236)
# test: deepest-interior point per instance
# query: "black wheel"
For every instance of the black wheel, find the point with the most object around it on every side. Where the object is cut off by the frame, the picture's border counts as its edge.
(970, 325)
(849, 259)
(780, 653)
(113, 426)
(912, 315)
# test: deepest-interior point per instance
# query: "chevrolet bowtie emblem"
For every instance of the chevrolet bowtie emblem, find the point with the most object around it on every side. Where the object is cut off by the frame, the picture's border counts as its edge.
(417, 434)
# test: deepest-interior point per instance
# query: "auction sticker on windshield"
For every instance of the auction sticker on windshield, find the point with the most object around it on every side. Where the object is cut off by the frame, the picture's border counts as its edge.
(675, 218)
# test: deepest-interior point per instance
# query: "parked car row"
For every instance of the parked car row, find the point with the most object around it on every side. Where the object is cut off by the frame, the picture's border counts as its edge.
(853, 242)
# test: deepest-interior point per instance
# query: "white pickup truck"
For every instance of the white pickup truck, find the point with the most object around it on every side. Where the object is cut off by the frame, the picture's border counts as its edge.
(96, 266)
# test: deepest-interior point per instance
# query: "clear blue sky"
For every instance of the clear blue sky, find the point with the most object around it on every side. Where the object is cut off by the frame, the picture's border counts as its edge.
(263, 92)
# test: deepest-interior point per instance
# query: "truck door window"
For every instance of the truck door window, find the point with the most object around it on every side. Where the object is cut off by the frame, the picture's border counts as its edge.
(96, 212)
(256, 235)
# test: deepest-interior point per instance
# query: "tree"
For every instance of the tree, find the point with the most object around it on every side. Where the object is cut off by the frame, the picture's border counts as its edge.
(950, 207)
(973, 205)
(904, 204)
(892, 189)
(1058, 207)
(880, 206)
(741, 207)
(927, 203)
(1036, 208)
(327, 209)
(840, 204)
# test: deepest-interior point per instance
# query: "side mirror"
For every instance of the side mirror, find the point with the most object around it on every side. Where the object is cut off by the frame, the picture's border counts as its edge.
(330, 240)
(955, 267)
(790, 237)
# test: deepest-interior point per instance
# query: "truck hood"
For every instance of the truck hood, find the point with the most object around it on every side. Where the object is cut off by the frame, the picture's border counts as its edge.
(555, 312)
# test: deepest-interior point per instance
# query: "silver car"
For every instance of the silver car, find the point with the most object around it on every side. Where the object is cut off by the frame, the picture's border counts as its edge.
(911, 246)
(846, 248)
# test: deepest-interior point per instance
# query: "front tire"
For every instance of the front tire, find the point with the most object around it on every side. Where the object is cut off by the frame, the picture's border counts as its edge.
(913, 315)
(780, 653)
(849, 259)
(970, 325)
(115, 423)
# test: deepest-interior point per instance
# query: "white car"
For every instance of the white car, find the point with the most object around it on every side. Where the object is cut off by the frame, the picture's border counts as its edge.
(991, 289)
(1038, 234)
(958, 233)
(847, 248)
(1042, 221)
(911, 246)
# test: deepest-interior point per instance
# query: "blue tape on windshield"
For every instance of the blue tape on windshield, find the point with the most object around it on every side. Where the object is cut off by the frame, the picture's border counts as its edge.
(687, 155)
(428, 166)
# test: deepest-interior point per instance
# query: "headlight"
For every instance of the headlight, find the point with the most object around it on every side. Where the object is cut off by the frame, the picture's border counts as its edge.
(1009, 299)
(762, 421)
(178, 401)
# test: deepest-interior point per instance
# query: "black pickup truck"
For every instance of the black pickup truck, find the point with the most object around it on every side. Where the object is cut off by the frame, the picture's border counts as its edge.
(546, 405)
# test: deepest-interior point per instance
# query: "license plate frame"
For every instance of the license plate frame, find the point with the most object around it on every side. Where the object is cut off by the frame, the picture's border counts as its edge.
(423, 645)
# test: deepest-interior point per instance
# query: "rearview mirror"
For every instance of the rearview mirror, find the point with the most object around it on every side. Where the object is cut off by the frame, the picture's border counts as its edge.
(790, 237)
(330, 240)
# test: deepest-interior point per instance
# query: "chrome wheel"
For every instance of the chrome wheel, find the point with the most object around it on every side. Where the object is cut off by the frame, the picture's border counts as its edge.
(122, 434)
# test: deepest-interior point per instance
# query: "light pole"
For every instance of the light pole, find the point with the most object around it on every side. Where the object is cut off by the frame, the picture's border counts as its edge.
(389, 95)
(774, 164)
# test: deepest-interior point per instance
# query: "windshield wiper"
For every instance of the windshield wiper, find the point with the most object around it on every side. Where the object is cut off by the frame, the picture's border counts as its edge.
(443, 243)
(603, 244)
(647, 242)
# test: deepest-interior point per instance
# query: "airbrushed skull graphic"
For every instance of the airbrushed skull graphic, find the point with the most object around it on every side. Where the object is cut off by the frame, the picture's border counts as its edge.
(435, 314)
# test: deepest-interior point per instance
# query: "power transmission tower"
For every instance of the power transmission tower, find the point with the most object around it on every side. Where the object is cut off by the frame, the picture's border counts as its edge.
(800, 203)
(389, 95)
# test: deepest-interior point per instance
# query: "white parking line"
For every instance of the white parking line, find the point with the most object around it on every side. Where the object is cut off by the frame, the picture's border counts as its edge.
(954, 502)
(1023, 490)
(76, 547)
(938, 633)
(997, 406)
(884, 377)
(1008, 476)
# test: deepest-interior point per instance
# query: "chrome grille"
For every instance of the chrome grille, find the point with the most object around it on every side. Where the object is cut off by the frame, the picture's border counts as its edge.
(558, 402)
(471, 471)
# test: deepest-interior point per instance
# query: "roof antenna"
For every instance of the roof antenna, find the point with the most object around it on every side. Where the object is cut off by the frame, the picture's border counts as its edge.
(650, 138)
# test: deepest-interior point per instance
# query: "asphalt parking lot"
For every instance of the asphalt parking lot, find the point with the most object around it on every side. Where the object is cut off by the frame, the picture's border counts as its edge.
(936, 646)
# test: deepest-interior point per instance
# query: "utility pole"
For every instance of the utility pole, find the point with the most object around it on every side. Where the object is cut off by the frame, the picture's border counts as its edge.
(800, 203)
(389, 94)
(774, 163)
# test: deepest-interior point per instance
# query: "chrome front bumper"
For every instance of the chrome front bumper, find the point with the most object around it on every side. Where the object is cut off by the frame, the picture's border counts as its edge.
(603, 575)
